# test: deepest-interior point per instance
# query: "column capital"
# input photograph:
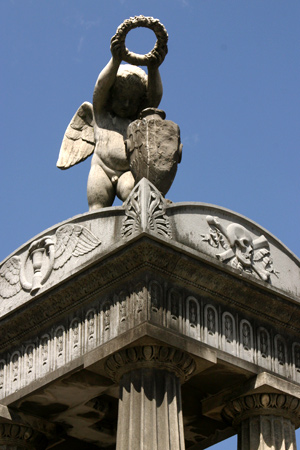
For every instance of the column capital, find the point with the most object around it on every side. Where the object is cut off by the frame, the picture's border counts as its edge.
(150, 356)
(21, 436)
(282, 405)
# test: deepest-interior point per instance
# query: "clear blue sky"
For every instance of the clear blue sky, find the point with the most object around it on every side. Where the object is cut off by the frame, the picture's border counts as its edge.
(231, 82)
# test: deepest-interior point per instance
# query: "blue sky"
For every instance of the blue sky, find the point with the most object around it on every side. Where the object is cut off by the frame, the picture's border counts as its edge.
(231, 82)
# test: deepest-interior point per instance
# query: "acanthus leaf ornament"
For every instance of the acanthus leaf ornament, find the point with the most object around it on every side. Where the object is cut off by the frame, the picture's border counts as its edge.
(240, 249)
(157, 219)
(132, 221)
(145, 209)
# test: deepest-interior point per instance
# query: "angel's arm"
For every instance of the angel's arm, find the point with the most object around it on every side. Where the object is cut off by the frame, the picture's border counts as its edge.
(106, 79)
(154, 88)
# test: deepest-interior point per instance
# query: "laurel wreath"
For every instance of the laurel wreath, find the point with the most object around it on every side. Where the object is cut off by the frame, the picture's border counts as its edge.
(160, 48)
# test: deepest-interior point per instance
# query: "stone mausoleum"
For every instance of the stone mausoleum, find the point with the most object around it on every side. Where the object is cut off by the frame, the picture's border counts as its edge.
(151, 325)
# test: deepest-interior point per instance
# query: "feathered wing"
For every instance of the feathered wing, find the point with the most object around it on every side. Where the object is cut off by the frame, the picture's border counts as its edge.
(73, 240)
(10, 277)
(79, 140)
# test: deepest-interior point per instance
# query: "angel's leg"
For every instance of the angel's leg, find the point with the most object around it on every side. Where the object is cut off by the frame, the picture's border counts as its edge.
(100, 191)
(125, 185)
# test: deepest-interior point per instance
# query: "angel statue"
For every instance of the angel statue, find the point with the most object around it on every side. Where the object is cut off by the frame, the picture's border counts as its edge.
(121, 93)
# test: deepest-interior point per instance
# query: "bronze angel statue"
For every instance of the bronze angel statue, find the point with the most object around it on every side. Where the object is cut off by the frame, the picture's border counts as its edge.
(121, 93)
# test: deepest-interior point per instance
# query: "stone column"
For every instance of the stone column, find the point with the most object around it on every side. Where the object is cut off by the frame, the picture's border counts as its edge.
(264, 421)
(14, 436)
(150, 413)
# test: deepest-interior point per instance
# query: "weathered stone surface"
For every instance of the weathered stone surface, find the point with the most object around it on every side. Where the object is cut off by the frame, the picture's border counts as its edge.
(267, 432)
(153, 149)
(150, 407)
(120, 94)
(149, 273)
(264, 421)
(72, 247)
(149, 356)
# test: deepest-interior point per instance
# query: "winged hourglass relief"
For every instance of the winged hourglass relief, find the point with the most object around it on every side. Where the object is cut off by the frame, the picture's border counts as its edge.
(240, 249)
(43, 256)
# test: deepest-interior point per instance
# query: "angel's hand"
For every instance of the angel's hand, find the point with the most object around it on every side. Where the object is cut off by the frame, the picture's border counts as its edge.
(157, 56)
(115, 48)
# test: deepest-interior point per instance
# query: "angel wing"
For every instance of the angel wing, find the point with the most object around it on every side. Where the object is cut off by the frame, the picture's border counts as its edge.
(79, 140)
(73, 240)
(10, 277)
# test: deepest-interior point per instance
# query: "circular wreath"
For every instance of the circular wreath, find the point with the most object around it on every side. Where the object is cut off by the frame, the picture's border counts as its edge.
(158, 52)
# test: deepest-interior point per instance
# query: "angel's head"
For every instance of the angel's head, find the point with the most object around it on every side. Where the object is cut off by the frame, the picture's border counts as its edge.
(129, 91)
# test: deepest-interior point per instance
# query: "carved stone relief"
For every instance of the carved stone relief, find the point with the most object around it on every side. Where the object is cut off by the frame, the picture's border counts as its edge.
(145, 209)
(139, 299)
(246, 341)
(90, 329)
(45, 354)
(16, 436)
(30, 365)
(228, 328)
(36, 255)
(157, 219)
(156, 302)
(10, 277)
(280, 355)
(240, 249)
(155, 296)
(264, 348)
(75, 334)
(178, 311)
(161, 357)
(228, 333)
(43, 256)
(263, 404)
(15, 370)
(192, 318)
(296, 360)
(110, 318)
(107, 316)
(175, 310)
(153, 148)
(60, 346)
(133, 219)
(122, 300)
(211, 328)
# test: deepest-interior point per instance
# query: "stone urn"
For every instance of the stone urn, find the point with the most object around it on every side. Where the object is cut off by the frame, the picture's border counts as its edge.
(153, 148)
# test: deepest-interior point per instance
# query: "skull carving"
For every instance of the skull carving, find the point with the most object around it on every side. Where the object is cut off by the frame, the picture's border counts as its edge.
(241, 241)
(252, 255)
